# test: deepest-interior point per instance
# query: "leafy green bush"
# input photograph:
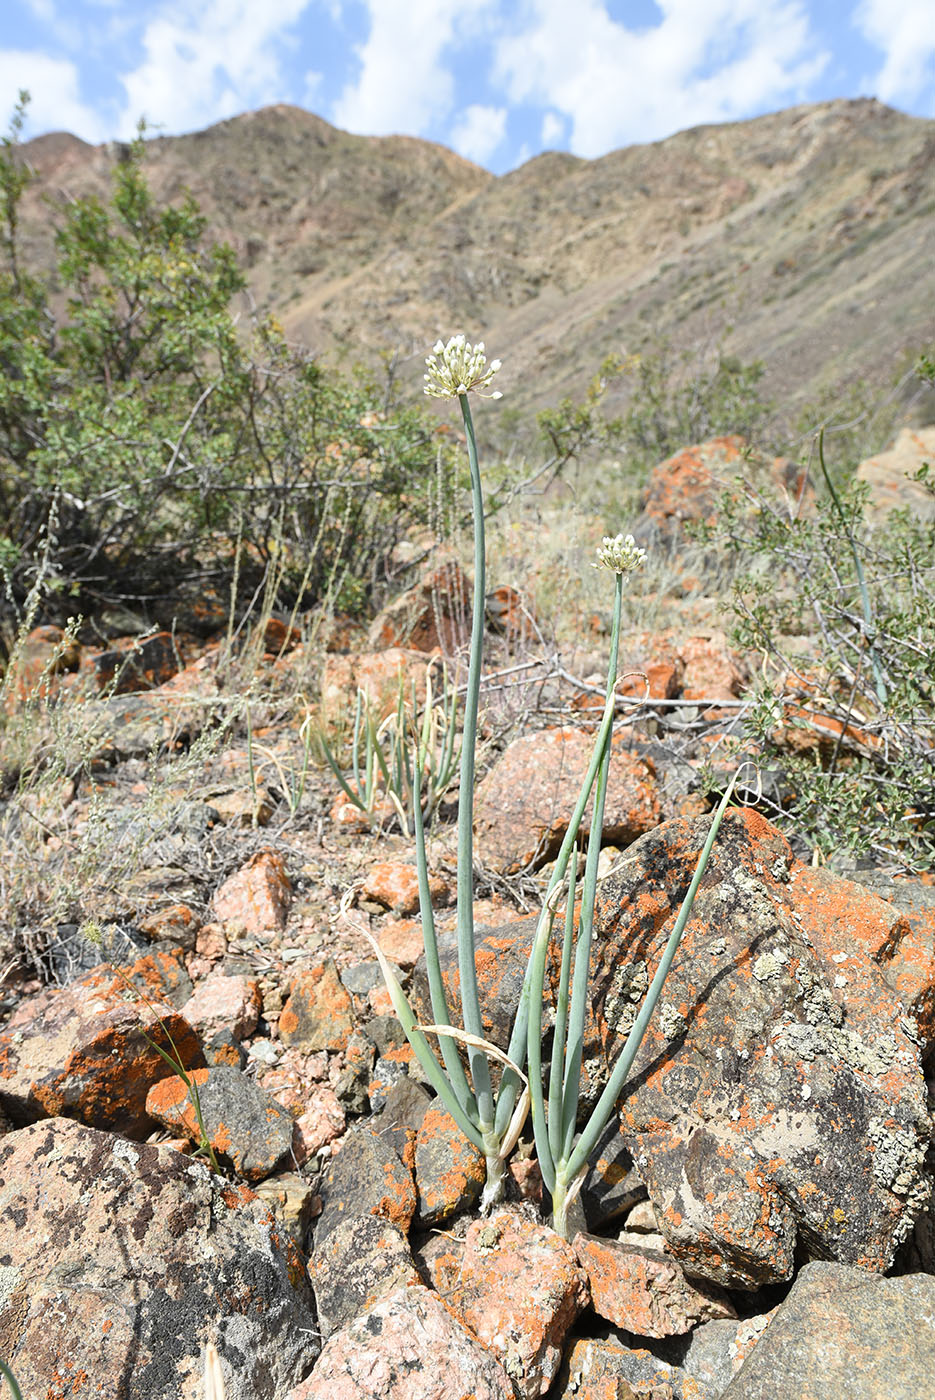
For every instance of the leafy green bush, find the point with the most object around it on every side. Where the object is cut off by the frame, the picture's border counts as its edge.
(153, 440)
(676, 400)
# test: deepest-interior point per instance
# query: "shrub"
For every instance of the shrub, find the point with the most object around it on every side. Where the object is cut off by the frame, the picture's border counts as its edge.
(843, 613)
(157, 440)
(676, 399)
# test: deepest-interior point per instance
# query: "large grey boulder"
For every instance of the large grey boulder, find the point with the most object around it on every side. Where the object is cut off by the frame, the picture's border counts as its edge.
(120, 1261)
(843, 1332)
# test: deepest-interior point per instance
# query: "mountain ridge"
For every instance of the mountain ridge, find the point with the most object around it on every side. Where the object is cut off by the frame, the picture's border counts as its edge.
(808, 232)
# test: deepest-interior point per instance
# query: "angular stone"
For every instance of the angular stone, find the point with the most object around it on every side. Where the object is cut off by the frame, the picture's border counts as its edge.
(595, 1369)
(121, 1261)
(256, 898)
(176, 923)
(365, 1259)
(247, 807)
(717, 1350)
(509, 613)
(450, 1171)
(519, 1289)
(45, 653)
(643, 1291)
(889, 475)
(89, 1052)
(318, 1013)
(433, 615)
(320, 1122)
(224, 1002)
(395, 885)
(162, 977)
(401, 941)
(365, 1178)
(523, 805)
(842, 1332)
(142, 665)
(689, 485)
(352, 1078)
(379, 674)
(250, 1132)
(710, 670)
(225, 1049)
(388, 1072)
(291, 1199)
(401, 1116)
(407, 1347)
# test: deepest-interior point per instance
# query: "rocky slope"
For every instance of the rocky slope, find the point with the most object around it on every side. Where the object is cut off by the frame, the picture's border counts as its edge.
(810, 231)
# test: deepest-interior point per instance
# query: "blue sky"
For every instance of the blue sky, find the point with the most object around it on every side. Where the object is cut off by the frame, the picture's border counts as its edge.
(497, 80)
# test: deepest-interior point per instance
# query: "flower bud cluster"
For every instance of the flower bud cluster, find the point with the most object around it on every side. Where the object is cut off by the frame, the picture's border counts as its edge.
(620, 553)
(459, 368)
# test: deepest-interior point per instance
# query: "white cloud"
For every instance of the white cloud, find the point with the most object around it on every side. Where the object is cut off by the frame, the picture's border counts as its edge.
(204, 62)
(706, 61)
(56, 103)
(403, 83)
(478, 132)
(906, 35)
(553, 130)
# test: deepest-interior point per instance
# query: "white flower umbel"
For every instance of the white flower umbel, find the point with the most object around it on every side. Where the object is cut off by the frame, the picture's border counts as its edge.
(459, 368)
(619, 553)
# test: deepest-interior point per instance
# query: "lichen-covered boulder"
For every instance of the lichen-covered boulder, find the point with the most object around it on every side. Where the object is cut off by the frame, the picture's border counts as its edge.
(89, 1052)
(644, 1291)
(120, 1261)
(365, 1178)
(450, 1171)
(365, 1259)
(778, 1099)
(518, 1287)
(249, 1131)
(409, 1346)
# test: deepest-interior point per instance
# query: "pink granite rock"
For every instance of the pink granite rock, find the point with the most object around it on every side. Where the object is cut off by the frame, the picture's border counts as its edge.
(407, 1347)
(519, 1288)
(256, 898)
(524, 804)
(223, 1002)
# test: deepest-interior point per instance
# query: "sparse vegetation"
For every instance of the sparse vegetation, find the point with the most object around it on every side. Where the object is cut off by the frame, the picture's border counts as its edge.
(842, 613)
(154, 451)
(413, 750)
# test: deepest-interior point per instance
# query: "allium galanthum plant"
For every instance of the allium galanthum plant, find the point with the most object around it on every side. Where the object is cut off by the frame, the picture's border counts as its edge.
(459, 368)
(494, 1122)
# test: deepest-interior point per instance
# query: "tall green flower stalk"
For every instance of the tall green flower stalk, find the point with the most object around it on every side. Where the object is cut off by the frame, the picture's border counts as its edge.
(492, 1123)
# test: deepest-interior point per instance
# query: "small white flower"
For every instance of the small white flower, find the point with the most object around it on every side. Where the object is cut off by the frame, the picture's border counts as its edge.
(620, 553)
(459, 368)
